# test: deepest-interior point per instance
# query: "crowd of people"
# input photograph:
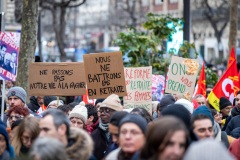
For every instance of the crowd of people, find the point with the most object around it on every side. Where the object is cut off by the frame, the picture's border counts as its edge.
(176, 129)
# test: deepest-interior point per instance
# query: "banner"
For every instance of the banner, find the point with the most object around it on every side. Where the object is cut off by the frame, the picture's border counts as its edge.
(158, 83)
(201, 85)
(9, 50)
(139, 88)
(227, 86)
(104, 74)
(182, 74)
(232, 57)
(58, 79)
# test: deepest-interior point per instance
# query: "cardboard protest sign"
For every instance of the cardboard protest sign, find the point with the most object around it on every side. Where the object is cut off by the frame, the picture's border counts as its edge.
(104, 74)
(158, 83)
(59, 79)
(182, 74)
(139, 88)
(8, 57)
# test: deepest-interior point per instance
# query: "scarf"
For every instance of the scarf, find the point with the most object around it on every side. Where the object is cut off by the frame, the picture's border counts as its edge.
(104, 127)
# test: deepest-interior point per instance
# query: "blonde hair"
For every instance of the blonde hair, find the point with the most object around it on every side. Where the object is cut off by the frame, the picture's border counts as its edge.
(30, 124)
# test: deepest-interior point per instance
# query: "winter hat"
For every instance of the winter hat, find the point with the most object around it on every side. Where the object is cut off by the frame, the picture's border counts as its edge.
(234, 148)
(136, 119)
(48, 99)
(224, 102)
(207, 149)
(204, 110)
(112, 102)
(18, 92)
(179, 111)
(166, 100)
(55, 104)
(3, 132)
(117, 117)
(186, 103)
(79, 111)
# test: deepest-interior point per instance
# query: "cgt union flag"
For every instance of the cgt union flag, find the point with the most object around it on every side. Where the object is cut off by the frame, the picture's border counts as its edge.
(201, 85)
(227, 86)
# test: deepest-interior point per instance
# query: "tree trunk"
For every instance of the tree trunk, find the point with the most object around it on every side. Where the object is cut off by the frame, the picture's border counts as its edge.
(233, 24)
(28, 41)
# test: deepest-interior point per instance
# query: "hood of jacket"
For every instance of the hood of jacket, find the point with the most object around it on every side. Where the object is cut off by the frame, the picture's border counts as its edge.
(80, 144)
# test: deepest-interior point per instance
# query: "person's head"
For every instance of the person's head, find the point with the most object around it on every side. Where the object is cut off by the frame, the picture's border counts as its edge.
(165, 101)
(46, 148)
(200, 99)
(186, 103)
(110, 105)
(217, 116)
(40, 100)
(56, 124)
(78, 116)
(132, 130)
(114, 125)
(142, 112)
(27, 131)
(166, 139)
(14, 56)
(16, 113)
(65, 108)
(202, 126)
(3, 49)
(48, 99)
(4, 139)
(92, 114)
(236, 100)
(225, 106)
(55, 104)
(9, 84)
(17, 97)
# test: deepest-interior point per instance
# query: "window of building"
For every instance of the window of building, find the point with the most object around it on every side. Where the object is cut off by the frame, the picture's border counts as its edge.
(158, 2)
(173, 1)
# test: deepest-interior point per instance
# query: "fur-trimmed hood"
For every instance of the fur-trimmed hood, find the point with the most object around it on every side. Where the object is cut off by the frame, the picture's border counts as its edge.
(80, 144)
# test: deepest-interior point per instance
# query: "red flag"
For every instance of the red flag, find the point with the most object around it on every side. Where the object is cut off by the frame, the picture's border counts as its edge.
(201, 85)
(232, 57)
(227, 86)
(86, 99)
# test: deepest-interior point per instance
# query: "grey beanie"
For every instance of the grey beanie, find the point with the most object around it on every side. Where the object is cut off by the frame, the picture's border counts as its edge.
(207, 149)
(136, 119)
(18, 92)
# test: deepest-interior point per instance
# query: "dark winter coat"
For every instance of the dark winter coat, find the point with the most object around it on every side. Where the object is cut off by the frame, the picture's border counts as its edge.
(33, 105)
(101, 143)
(234, 123)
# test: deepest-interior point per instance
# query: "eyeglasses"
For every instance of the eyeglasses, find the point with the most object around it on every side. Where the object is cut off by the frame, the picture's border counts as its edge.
(106, 110)
(16, 117)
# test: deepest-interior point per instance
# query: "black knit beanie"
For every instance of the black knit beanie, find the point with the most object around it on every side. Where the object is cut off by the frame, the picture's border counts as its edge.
(224, 102)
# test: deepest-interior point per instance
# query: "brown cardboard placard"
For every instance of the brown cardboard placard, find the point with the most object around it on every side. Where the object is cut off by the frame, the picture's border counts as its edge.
(139, 88)
(104, 74)
(58, 79)
(181, 77)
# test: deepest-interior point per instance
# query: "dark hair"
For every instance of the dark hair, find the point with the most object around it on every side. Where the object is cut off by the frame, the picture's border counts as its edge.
(65, 108)
(213, 111)
(117, 117)
(59, 118)
(142, 112)
(159, 135)
(3, 45)
(72, 105)
(92, 111)
(199, 117)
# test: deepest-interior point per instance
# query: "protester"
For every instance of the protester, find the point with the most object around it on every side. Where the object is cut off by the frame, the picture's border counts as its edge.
(142, 112)
(92, 120)
(200, 99)
(114, 129)
(217, 116)
(132, 130)
(101, 136)
(165, 101)
(233, 124)
(45, 148)
(35, 103)
(5, 149)
(237, 99)
(16, 113)
(55, 104)
(25, 135)
(225, 109)
(65, 108)
(48, 99)
(56, 124)
(207, 149)
(78, 116)
(186, 103)
(166, 139)
(17, 97)
(98, 104)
